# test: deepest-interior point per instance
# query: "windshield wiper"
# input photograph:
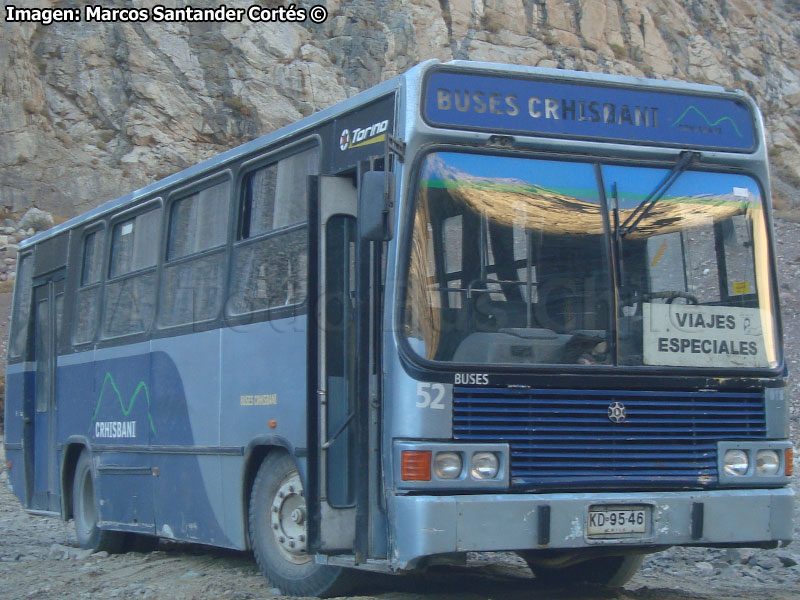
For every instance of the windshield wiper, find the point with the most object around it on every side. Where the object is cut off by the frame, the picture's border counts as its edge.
(641, 211)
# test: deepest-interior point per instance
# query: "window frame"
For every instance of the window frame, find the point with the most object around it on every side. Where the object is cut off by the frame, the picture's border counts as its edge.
(152, 204)
(236, 242)
(164, 262)
(24, 354)
(428, 368)
(93, 229)
(184, 193)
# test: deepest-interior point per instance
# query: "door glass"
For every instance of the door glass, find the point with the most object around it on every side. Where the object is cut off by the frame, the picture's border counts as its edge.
(59, 315)
(44, 355)
(340, 355)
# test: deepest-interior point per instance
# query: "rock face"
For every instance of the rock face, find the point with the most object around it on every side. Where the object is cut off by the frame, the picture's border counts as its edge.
(89, 111)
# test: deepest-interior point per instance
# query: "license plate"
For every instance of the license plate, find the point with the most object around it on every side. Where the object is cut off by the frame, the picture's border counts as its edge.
(609, 520)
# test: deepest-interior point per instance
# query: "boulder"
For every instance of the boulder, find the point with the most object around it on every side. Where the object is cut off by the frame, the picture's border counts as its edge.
(36, 219)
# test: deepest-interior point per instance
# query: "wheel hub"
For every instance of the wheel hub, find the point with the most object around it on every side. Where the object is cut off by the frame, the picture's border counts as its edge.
(298, 516)
(288, 519)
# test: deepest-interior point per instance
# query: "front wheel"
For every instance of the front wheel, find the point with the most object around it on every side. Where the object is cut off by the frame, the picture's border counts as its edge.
(279, 536)
(611, 571)
(85, 513)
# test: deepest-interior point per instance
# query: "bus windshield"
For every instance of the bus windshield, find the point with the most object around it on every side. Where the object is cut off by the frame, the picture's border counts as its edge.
(522, 261)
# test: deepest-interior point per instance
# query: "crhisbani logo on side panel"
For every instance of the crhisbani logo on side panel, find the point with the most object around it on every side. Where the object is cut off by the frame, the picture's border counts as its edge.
(112, 399)
(359, 137)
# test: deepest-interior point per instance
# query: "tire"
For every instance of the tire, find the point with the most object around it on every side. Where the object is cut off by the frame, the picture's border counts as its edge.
(278, 534)
(86, 513)
(609, 571)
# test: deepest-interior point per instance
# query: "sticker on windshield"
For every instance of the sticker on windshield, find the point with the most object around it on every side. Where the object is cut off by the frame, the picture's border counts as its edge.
(741, 287)
(702, 336)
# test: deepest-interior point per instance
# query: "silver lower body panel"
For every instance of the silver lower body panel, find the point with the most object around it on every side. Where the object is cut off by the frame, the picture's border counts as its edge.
(430, 525)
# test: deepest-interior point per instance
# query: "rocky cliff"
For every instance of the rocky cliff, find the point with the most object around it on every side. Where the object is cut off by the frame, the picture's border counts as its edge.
(92, 110)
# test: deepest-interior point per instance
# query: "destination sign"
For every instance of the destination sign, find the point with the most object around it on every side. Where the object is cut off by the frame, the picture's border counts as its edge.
(586, 111)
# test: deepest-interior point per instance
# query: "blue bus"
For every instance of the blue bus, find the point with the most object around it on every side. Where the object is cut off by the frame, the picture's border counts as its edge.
(477, 307)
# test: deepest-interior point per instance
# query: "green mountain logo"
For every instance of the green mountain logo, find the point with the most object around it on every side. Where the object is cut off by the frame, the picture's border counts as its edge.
(693, 108)
(108, 383)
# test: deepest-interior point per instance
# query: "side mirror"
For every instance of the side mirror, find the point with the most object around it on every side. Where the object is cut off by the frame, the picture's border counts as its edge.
(375, 207)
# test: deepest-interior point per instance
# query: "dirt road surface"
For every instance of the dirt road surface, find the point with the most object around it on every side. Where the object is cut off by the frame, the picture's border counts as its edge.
(39, 557)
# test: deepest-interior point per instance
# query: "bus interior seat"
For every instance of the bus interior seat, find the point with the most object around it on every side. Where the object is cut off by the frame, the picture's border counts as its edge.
(513, 345)
(493, 315)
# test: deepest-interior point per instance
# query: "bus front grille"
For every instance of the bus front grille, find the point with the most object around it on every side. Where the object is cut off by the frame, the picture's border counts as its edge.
(568, 438)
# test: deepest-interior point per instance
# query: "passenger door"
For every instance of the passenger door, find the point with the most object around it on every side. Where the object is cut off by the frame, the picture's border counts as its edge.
(337, 356)
(48, 309)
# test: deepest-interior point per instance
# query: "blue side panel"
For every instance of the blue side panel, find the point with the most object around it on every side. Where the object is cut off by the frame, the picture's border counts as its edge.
(188, 495)
(41, 482)
(108, 402)
(105, 401)
(76, 398)
(135, 398)
(125, 486)
(14, 404)
(18, 403)
(263, 379)
(168, 422)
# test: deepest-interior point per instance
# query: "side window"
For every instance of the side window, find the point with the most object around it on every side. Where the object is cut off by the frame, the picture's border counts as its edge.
(132, 245)
(194, 275)
(88, 300)
(199, 221)
(92, 258)
(271, 253)
(129, 296)
(22, 308)
(258, 204)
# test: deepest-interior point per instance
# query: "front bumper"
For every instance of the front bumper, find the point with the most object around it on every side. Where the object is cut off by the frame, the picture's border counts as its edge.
(429, 525)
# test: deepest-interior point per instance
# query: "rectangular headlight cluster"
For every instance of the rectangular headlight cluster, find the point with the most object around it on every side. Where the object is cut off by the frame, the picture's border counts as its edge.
(450, 465)
(754, 463)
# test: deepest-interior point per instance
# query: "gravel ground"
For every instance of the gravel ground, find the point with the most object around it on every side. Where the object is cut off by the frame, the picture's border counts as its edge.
(39, 558)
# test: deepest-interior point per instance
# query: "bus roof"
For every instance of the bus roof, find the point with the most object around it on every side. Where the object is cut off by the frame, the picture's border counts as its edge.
(416, 73)
(305, 124)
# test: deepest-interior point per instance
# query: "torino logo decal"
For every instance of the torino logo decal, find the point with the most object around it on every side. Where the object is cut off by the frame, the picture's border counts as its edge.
(363, 136)
(617, 412)
(344, 139)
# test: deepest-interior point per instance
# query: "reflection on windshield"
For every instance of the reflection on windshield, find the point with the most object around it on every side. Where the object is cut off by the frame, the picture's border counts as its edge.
(691, 294)
(509, 265)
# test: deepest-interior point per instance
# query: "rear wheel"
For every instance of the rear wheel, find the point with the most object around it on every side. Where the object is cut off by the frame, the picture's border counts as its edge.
(86, 514)
(611, 571)
(278, 534)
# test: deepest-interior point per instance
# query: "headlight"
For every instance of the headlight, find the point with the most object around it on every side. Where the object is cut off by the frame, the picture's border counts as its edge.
(484, 465)
(736, 462)
(767, 462)
(447, 465)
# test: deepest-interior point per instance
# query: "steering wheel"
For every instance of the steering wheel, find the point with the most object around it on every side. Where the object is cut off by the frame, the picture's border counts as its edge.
(636, 299)
(669, 296)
